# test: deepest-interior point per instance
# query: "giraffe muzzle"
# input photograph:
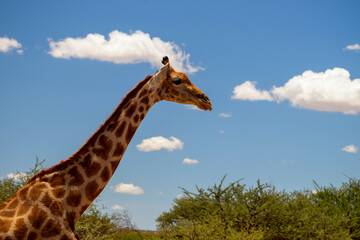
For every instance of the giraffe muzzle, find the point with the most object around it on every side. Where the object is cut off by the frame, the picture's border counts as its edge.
(204, 102)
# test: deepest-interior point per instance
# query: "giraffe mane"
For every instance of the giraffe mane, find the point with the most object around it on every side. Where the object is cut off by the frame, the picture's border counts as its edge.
(90, 141)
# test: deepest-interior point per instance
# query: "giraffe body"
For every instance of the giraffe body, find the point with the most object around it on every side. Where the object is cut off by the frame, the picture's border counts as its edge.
(52, 201)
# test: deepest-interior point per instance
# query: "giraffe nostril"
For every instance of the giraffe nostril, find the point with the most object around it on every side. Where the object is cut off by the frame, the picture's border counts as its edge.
(203, 97)
(203, 102)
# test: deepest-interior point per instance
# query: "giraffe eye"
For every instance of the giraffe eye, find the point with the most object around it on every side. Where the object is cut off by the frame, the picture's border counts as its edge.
(177, 81)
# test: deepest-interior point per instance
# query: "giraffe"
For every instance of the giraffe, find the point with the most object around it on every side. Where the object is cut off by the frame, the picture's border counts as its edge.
(52, 201)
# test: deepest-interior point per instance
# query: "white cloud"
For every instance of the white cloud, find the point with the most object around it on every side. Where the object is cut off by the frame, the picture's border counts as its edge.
(332, 91)
(16, 176)
(7, 44)
(221, 131)
(190, 161)
(157, 143)
(127, 188)
(192, 107)
(354, 47)
(180, 196)
(247, 91)
(350, 148)
(225, 115)
(117, 207)
(123, 48)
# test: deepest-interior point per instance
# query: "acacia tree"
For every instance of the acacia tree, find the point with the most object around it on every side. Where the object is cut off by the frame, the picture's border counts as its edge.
(262, 212)
(341, 204)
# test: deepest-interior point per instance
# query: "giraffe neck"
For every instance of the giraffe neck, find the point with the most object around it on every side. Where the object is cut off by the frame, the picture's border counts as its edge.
(78, 180)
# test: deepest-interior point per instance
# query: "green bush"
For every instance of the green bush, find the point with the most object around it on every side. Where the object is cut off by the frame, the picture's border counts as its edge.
(232, 212)
(9, 186)
(94, 224)
(262, 212)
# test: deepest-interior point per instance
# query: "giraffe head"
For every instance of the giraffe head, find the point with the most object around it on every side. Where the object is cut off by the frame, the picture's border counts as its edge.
(176, 87)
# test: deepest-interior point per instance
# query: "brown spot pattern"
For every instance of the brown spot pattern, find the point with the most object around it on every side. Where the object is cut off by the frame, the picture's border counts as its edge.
(57, 209)
(105, 175)
(4, 225)
(20, 229)
(24, 208)
(83, 209)
(70, 217)
(130, 133)
(74, 198)
(91, 190)
(32, 236)
(77, 179)
(8, 214)
(46, 200)
(120, 129)
(13, 204)
(111, 127)
(23, 192)
(136, 118)
(174, 92)
(143, 92)
(51, 229)
(114, 165)
(37, 217)
(145, 100)
(130, 111)
(141, 109)
(58, 192)
(119, 150)
(142, 116)
(91, 168)
(57, 180)
(126, 104)
(2, 206)
(36, 190)
(64, 237)
(105, 147)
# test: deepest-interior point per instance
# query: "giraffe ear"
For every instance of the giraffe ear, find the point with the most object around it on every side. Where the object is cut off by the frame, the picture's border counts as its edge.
(164, 70)
(165, 60)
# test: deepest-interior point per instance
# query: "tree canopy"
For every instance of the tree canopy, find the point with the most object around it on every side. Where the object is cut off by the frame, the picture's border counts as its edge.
(261, 212)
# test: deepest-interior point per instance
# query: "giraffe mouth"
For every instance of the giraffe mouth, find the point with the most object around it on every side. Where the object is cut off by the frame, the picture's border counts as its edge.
(204, 103)
(205, 106)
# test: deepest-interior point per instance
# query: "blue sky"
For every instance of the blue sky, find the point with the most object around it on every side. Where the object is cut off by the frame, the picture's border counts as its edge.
(283, 78)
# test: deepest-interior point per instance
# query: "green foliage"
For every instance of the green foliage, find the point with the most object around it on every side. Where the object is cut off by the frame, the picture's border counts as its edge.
(262, 212)
(94, 224)
(10, 185)
(231, 212)
(341, 204)
(210, 227)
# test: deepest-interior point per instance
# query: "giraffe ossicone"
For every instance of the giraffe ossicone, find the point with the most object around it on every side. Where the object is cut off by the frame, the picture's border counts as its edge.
(51, 202)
